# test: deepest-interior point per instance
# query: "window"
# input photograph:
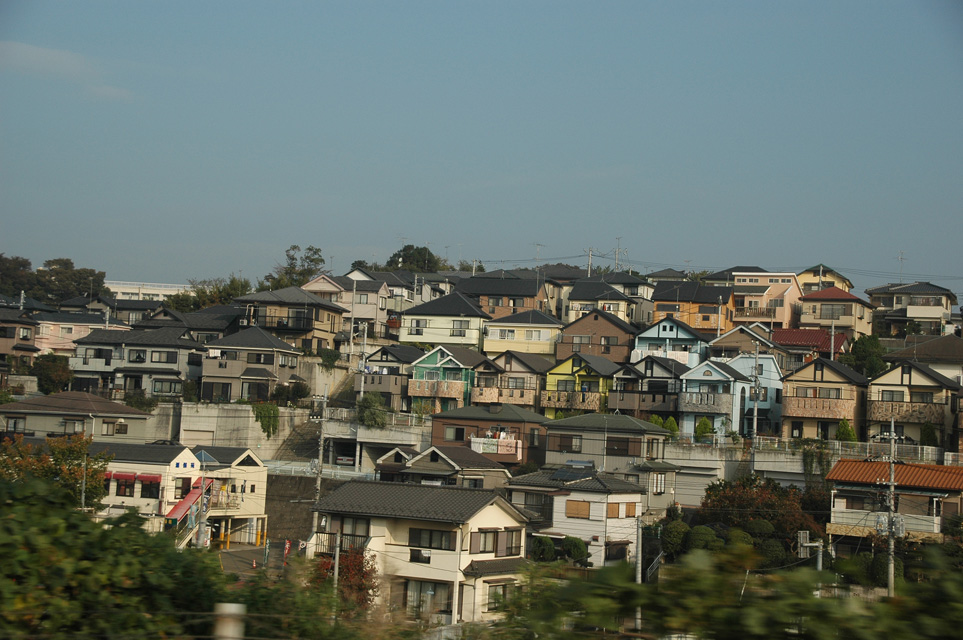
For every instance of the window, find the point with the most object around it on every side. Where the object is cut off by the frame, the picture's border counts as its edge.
(355, 526)
(228, 355)
(423, 598)
(516, 302)
(667, 307)
(260, 358)
(150, 489)
(623, 446)
(137, 355)
(629, 509)
(921, 396)
(565, 385)
(107, 429)
(833, 311)
(797, 429)
(66, 331)
(534, 334)
(422, 556)
(498, 594)
(829, 392)
(503, 334)
(613, 510)
(167, 387)
(431, 539)
(763, 394)
(565, 443)
(121, 428)
(181, 488)
(494, 302)
(533, 438)
(515, 382)
(658, 483)
(455, 434)
(508, 543)
(169, 357)
(362, 298)
(577, 509)
(125, 488)
(418, 327)
(25, 333)
(578, 341)
(459, 327)
(483, 541)
(805, 392)
(891, 396)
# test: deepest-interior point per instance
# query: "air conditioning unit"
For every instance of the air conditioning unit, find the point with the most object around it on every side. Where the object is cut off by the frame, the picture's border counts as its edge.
(242, 322)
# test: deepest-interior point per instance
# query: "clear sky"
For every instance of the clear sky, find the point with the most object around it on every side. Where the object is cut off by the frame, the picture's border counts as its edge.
(162, 141)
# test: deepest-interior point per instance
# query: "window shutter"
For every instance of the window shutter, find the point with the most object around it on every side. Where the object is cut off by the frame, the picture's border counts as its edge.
(635, 447)
(629, 509)
(475, 545)
(501, 544)
(613, 510)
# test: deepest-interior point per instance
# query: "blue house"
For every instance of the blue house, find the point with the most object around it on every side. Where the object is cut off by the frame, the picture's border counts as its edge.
(672, 338)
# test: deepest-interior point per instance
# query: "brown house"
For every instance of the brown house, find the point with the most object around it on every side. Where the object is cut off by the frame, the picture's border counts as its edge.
(506, 295)
(18, 335)
(504, 433)
(597, 333)
(515, 378)
(295, 316)
(818, 396)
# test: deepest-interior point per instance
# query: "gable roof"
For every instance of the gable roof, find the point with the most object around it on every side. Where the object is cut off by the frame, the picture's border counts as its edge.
(127, 452)
(935, 376)
(595, 482)
(834, 293)
(587, 289)
(667, 274)
(227, 456)
(533, 361)
(160, 337)
(741, 328)
(815, 339)
(351, 284)
(462, 355)
(698, 335)
(602, 366)
(610, 422)
(454, 304)
(290, 297)
(945, 349)
(672, 365)
(252, 338)
(619, 277)
(723, 368)
(17, 316)
(461, 456)
(726, 274)
(532, 316)
(842, 370)
(922, 476)
(614, 320)
(512, 286)
(493, 413)
(404, 353)
(825, 269)
(668, 291)
(455, 505)
(66, 317)
(73, 403)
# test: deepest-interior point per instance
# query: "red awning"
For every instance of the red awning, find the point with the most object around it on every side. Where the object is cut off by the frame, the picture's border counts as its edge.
(123, 475)
(108, 474)
(149, 477)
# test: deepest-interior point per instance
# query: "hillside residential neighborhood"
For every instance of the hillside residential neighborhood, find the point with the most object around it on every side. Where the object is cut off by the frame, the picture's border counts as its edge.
(457, 421)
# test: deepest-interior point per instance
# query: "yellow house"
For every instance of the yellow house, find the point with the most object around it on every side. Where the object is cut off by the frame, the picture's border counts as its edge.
(822, 277)
(578, 384)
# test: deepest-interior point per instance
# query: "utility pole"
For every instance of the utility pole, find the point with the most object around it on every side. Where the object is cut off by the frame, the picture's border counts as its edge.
(364, 357)
(755, 402)
(589, 274)
(891, 507)
(618, 250)
(354, 291)
(317, 481)
(638, 567)
(719, 318)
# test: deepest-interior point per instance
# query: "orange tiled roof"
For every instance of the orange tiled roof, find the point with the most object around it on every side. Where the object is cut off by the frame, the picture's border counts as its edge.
(922, 476)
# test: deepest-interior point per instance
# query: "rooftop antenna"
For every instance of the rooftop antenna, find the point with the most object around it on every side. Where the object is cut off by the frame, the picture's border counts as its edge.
(901, 259)
(618, 250)
(538, 247)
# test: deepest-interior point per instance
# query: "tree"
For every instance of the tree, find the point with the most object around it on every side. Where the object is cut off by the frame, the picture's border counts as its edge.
(671, 426)
(60, 280)
(66, 576)
(542, 549)
(6, 397)
(357, 579)
(673, 536)
(704, 428)
(414, 259)
(209, 293)
(928, 437)
(61, 462)
(844, 432)
(468, 265)
(657, 420)
(299, 268)
(372, 411)
(697, 276)
(53, 373)
(865, 356)
(16, 275)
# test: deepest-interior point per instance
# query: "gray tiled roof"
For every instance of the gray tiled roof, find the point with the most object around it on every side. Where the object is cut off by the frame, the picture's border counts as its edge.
(619, 277)
(926, 370)
(465, 457)
(602, 366)
(65, 317)
(729, 371)
(478, 286)
(910, 287)
(605, 315)
(498, 566)
(290, 296)
(536, 363)
(454, 304)
(400, 352)
(598, 482)
(947, 349)
(72, 402)
(532, 316)
(690, 292)
(842, 370)
(493, 413)
(17, 316)
(595, 290)
(454, 505)
(258, 373)
(124, 452)
(350, 284)
(252, 338)
(161, 337)
(606, 422)
(468, 357)
(223, 455)
(726, 274)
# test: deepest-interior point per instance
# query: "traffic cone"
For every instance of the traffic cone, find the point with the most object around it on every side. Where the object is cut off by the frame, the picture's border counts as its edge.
(254, 564)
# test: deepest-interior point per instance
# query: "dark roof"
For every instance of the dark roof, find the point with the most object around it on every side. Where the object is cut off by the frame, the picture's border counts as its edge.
(25, 347)
(493, 413)
(536, 363)
(251, 338)
(602, 366)
(125, 452)
(825, 269)
(454, 304)
(494, 567)
(17, 316)
(726, 369)
(698, 335)
(29, 304)
(667, 291)
(607, 422)
(65, 317)
(667, 274)
(726, 274)
(592, 481)
(677, 368)
(945, 349)
(157, 371)
(223, 455)
(532, 316)
(72, 402)
(258, 373)
(401, 352)
(595, 290)
(467, 357)
(937, 377)
(350, 284)
(614, 320)
(464, 457)
(161, 337)
(477, 286)
(415, 501)
(750, 289)
(911, 287)
(197, 321)
(618, 277)
(290, 297)
(846, 372)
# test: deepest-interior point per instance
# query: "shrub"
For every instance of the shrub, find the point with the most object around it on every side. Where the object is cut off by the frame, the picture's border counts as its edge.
(760, 529)
(329, 358)
(542, 549)
(738, 536)
(575, 549)
(673, 537)
(372, 411)
(773, 553)
(928, 435)
(671, 426)
(844, 432)
(702, 537)
(137, 399)
(704, 428)
(657, 420)
(189, 391)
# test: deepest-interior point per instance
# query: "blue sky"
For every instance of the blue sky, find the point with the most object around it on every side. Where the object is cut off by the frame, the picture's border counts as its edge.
(175, 140)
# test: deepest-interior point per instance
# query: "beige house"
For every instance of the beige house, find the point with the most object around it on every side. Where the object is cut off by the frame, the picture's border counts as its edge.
(247, 365)
(836, 310)
(769, 298)
(925, 304)
(366, 301)
(452, 465)
(450, 320)
(57, 331)
(818, 395)
(71, 412)
(301, 319)
(821, 277)
(18, 335)
(517, 378)
(529, 332)
(912, 395)
(443, 554)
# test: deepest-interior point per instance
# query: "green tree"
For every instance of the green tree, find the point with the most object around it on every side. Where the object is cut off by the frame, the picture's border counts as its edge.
(59, 461)
(704, 428)
(60, 280)
(468, 265)
(844, 432)
(6, 397)
(575, 550)
(671, 426)
(414, 259)
(16, 275)
(53, 373)
(928, 437)
(673, 537)
(372, 411)
(865, 356)
(208, 293)
(702, 537)
(657, 420)
(299, 268)
(66, 576)
(542, 549)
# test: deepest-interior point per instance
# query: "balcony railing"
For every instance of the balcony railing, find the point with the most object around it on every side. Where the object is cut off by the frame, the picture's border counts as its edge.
(860, 518)
(643, 401)
(860, 450)
(436, 388)
(283, 323)
(699, 402)
(756, 312)
(503, 394)
(822, 408)
(915, 412)
(328, 542)
(582, 400)
(498, 446)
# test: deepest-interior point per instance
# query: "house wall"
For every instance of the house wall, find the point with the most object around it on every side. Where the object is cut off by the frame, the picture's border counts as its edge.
(598, 528)
(513, 304)
(595, 328)
(810, 411)
(58, 337)
(185, 465)
(440, 330)
(494, 343)
(857, 321)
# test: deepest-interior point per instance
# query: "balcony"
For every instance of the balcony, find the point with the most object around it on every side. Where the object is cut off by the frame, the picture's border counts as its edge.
(504, 395)
(644, 401)
(581, 400)
(913, 412)
(381, 382)
(743, 313)
(328, 542)
(283, 323)
(818, 408)
(498, 446)
(699, 402)
(436, 388)
(856, 522)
